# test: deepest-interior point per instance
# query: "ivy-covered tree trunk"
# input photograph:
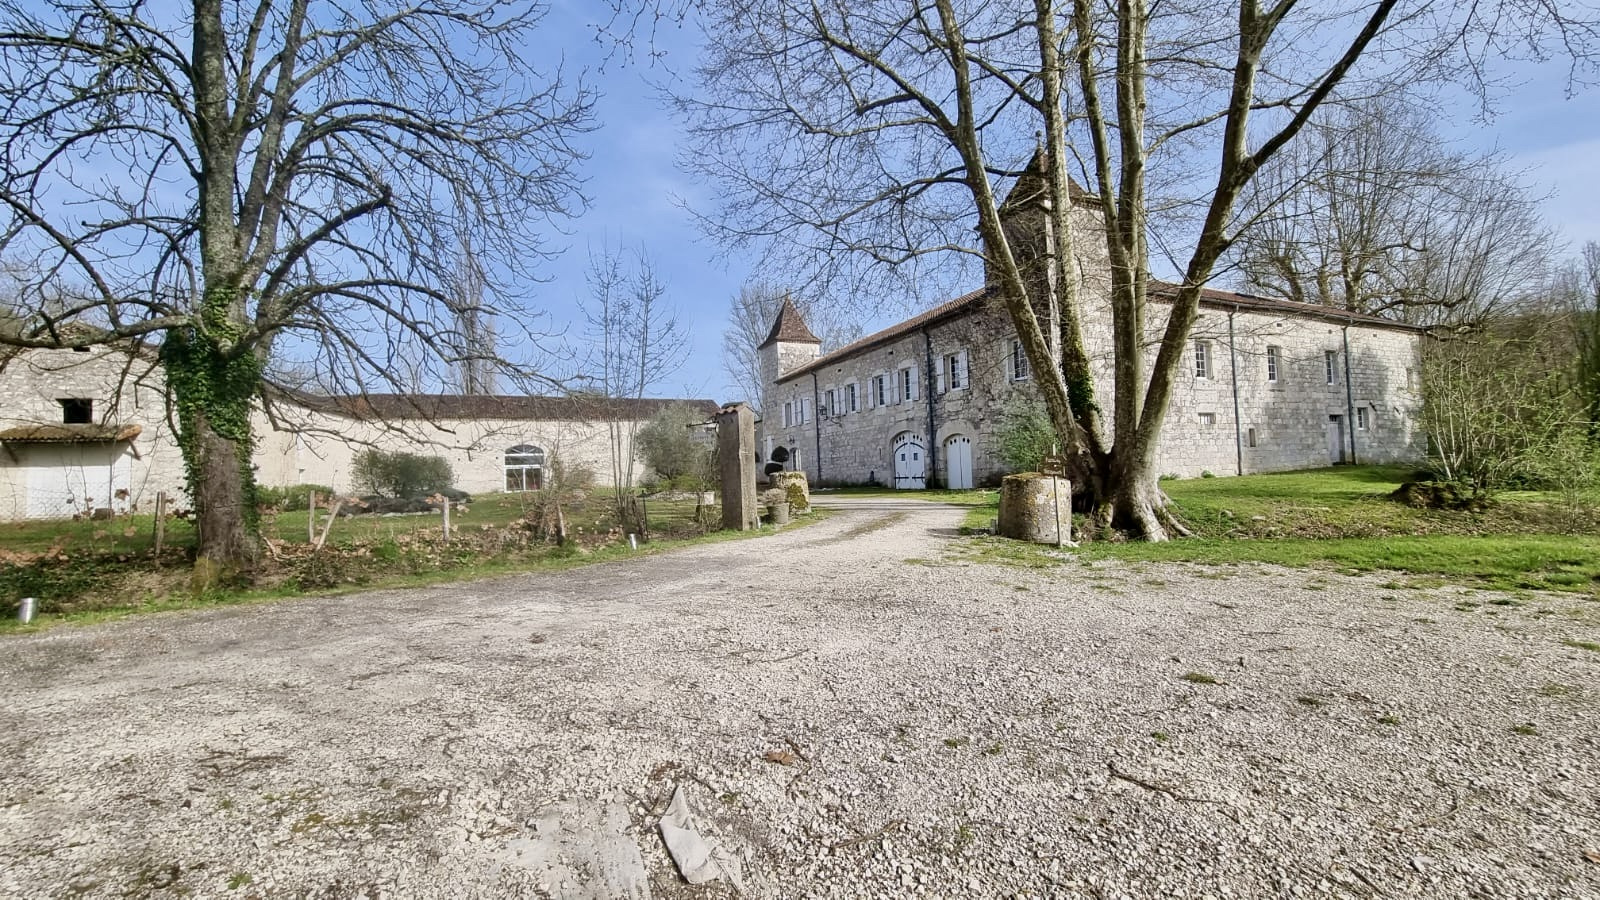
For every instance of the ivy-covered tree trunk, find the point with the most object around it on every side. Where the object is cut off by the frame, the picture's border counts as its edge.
(213, 390)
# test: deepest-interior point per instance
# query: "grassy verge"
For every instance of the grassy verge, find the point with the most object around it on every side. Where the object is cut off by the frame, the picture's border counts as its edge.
(94, 580)
(1342, 519)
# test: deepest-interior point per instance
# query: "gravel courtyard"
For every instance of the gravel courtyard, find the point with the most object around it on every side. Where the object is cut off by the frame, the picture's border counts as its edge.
(856, 708)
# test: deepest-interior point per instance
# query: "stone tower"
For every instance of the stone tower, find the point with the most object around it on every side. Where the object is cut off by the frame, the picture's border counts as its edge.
(789, 345)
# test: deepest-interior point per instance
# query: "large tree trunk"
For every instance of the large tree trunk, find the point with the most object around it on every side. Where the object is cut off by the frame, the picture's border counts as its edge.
(224, 507)
(213, 392)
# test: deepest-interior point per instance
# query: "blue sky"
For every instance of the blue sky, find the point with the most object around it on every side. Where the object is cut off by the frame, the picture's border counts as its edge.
(636, 190)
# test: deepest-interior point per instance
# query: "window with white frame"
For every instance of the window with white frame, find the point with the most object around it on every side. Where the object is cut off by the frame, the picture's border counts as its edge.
(829, 407)
(524, 466)
(1202, 359)
(1208, 418)
(1272, 363)
(1017, 365)
(1330, 361)
(955, 371)
(880, 390)
(788, 414)
(1361, 418)
(908, 384)
(851, 401)
(805, 410)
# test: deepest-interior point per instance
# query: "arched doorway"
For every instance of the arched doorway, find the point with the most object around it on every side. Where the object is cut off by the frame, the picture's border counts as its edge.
(910, 461)
(958, 462)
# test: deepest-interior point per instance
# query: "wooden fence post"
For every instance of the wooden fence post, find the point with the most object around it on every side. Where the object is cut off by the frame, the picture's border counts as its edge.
(161, 522)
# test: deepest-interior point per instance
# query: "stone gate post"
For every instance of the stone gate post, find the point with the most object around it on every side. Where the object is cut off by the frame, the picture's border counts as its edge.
(736, 455)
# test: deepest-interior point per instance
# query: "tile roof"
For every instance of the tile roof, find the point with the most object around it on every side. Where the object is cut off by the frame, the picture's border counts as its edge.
(70, 434)
(1159, 290)
(1164, 290)
(948, 309)
(493, 406)
(789, 327)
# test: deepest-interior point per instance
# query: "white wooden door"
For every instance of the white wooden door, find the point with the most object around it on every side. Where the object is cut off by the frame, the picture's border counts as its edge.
(910, 463)
(958, 462)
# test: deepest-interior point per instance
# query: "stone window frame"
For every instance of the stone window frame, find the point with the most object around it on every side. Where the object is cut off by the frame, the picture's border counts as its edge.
(1363, 418)
(1330, 361)
(1017, 368)
(878, 390)
(77, 410)
(1208, 419)
(830, 403)
(1202, 359)
(1250, 437)
(1274, 362)
(905, 384)
(852, 396)
(953, 373)
(788, 413)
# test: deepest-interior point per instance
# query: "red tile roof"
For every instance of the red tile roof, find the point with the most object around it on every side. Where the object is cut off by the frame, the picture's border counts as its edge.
(948, 309)
(789, 327)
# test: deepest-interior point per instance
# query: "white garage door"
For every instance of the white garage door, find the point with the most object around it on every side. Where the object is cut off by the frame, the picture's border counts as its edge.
(70, 479)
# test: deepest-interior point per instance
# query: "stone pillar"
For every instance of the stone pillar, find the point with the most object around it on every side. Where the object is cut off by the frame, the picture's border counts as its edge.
(1030, 506)
(736, 455)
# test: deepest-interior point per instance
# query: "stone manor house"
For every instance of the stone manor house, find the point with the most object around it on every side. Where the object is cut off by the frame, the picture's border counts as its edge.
(1266, 385)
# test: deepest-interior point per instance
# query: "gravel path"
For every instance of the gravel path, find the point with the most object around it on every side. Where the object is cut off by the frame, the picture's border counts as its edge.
(856, 708)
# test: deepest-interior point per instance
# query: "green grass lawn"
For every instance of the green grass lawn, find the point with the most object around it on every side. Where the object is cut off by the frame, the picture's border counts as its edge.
(1341, 518)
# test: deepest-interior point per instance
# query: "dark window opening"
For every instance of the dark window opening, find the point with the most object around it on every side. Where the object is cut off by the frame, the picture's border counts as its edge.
(77, 411)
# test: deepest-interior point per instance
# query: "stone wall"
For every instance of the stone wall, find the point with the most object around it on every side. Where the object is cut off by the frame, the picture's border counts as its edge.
(124, 391)
(324, 449)
(321, 449)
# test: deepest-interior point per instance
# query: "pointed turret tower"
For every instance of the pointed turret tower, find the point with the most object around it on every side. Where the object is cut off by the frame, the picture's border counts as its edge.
(789, 345)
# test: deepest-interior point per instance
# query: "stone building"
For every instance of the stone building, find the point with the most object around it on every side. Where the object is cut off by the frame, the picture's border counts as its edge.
(1266, 385)
(87, 430)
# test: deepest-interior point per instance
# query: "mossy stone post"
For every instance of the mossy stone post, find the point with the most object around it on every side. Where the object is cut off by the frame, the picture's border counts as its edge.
(1030, 506)
(795, 489)
(736, 455)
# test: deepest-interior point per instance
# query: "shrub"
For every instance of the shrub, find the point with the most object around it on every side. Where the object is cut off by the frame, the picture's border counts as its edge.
(679, 454)
(401, 474)
(291, 497)
(1025, 436)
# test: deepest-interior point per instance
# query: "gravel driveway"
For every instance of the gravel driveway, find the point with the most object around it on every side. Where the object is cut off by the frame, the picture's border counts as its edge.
(856, 708)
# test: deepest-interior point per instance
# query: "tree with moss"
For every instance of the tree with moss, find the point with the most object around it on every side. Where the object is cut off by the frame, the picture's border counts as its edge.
(246, 186)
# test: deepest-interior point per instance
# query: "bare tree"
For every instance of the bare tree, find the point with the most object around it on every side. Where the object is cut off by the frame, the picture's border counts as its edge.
(750, 317)
(477, 369)
(889, 130)
(1579, 286)
(635, 339)
(239, 182)
(1374, 212)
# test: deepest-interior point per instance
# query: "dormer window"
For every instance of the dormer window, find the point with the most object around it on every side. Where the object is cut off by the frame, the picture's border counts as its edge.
(76, 411)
